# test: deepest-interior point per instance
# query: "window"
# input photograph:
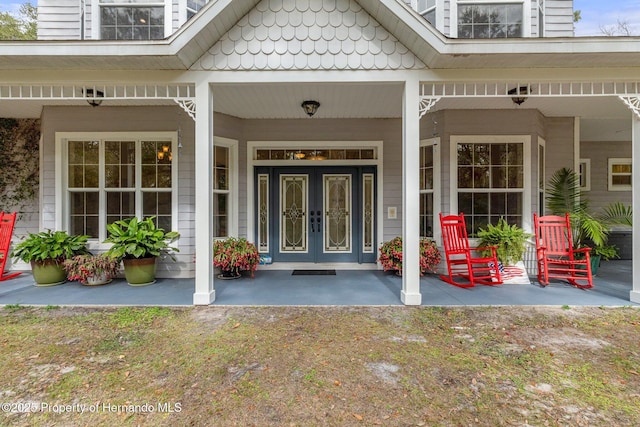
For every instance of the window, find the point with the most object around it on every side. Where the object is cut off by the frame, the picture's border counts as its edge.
(619, 174)
(113, 177)
(193, 6)
(132, 19)
(584, 174)
(427, 8)
(489, 21)
(490, 180)
(225, 174)
(429, 173)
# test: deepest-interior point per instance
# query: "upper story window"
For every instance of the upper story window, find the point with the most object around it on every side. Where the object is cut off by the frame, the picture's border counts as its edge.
(489, 20)
(427, 8)
(193, 6)
(132, 19)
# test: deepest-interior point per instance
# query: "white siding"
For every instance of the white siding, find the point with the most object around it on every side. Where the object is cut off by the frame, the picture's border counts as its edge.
(58, 19)
(559, 18)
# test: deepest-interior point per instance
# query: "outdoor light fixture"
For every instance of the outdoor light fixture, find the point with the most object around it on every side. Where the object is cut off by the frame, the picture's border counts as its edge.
(310, 107)
(518, 92)
(94, 97)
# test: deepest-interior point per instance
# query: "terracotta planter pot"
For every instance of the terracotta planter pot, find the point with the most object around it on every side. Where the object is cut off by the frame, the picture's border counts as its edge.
(140, 271)
(48, 273)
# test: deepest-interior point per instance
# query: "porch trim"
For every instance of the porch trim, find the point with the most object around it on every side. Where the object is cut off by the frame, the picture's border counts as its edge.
(534, 89)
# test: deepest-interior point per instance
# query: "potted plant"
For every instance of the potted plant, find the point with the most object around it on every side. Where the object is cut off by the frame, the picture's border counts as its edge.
(588, 228)
(92, 270)
(391, 255)
(138, 243)
(509, 240)
(234, 255)
(46, 251)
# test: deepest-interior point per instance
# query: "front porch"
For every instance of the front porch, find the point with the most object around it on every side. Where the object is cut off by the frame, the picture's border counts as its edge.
(348, 287)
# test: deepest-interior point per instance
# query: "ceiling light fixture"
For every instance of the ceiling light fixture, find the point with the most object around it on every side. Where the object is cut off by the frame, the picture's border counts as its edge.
(310, 107)
(94, 98)
(518, 92)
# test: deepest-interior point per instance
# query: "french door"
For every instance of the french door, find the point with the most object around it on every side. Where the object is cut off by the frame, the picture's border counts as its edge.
(316, 214)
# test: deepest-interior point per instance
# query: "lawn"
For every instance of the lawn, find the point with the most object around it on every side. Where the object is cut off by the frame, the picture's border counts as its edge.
(336, 366)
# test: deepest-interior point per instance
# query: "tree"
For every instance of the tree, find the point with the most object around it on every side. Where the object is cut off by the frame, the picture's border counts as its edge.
(621, 28)
(21, 27)
(577, 15)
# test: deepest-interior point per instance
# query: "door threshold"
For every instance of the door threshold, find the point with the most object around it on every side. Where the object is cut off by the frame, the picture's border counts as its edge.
(318, 266)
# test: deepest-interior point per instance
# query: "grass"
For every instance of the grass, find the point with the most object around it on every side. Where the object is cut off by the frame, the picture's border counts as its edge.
(322, 366)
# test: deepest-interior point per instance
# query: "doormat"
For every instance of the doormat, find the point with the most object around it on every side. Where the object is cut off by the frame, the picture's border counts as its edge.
(313, 273)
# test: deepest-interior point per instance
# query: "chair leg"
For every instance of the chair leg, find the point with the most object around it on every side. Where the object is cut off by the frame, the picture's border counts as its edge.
(9, 276)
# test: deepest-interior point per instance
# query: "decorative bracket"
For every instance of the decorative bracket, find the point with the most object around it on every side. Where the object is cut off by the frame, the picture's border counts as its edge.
(188, 105)
(426, 103)
(633, 102)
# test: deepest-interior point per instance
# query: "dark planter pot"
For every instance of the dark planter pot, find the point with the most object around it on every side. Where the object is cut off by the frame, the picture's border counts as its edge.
(140, 271)
(595, 263)
(48, 273)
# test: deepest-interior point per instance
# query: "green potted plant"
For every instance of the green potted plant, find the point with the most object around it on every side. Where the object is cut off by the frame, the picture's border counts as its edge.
(391, 255)
(46, 251)
(234, 255)
(588, 228)
(510, 241)
(138, 243)
(92, 270)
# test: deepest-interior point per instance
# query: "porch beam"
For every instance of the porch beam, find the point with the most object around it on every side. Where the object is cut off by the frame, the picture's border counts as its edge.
(204, 285)
(66, 92)
(534, 89)
(635, 202)
(411, 195)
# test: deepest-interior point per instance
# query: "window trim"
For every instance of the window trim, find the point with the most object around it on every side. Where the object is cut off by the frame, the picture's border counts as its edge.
(618, 161)
(232, 191)
(542, 190)
(481, 139)
(526, 13)
(95, 15)
(61, 162)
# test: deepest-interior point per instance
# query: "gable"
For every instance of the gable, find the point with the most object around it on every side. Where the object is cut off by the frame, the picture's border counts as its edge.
(308, 35)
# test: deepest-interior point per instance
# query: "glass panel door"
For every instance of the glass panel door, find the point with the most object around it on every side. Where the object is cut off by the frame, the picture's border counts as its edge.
(293, 200)
(337, 213)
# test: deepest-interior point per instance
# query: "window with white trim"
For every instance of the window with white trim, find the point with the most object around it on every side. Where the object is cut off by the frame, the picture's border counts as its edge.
(193, 6)
(426, 8)
(490, 182)
(429, 173)
(619, 173)
(584, 173)
(113, 177)
(132, 19)
(478, 20)
(225, 178)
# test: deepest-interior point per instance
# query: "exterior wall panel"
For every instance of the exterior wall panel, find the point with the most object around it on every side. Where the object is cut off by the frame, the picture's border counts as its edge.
(58, 19)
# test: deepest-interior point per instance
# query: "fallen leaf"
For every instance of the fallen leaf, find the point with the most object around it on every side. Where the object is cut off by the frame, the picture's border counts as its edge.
(236, 325)
(126, 374)
(357, 417)
(337, 383)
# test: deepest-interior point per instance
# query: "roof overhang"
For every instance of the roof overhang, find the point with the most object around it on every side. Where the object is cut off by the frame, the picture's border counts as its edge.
(186, 46)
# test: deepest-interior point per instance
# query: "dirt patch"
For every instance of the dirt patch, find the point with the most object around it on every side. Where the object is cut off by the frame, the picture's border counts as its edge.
(308, 366)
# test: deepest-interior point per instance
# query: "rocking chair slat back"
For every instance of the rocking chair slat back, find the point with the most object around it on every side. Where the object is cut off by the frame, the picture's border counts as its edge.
(7, 222)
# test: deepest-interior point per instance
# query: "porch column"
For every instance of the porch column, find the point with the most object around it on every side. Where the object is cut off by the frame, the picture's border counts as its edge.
(635, 202)
(203, 226)
(411, 194)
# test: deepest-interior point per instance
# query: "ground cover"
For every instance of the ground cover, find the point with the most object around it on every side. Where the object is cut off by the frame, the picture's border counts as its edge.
(308, 366)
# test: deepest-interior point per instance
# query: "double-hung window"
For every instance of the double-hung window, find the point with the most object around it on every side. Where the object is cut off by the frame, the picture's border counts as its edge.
(193, 6)
(478, 20)
(619, 174)
(490, 179)
(225, 178)
(429, 186)
(131, 19)
(109, 177)
(427, 8)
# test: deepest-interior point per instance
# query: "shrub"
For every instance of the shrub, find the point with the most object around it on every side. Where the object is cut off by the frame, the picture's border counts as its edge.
(391, 255)
(234, 255)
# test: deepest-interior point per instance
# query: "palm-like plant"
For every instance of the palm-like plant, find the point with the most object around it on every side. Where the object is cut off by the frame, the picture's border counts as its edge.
(564, 195)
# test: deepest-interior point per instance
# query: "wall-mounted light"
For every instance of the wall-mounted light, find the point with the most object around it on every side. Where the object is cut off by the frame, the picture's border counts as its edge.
(310, 107)
(94, 97)
(518, 92)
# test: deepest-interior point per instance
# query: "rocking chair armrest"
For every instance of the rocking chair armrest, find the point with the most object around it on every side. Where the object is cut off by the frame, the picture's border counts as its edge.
(582, 250)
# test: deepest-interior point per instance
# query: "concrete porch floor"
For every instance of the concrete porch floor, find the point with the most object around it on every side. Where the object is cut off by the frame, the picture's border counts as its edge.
(350, 287)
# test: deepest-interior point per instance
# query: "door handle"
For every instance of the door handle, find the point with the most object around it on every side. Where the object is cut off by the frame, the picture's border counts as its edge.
(319, 220)
(312, 228)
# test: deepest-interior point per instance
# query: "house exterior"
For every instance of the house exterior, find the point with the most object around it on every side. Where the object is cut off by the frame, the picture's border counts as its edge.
(191, 111)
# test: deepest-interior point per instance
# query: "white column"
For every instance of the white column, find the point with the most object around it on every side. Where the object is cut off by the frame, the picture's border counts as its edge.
(411, 194)
(204, 290)
(635, 202)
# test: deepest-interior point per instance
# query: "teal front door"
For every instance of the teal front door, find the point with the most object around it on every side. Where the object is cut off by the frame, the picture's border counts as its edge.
(319, 214)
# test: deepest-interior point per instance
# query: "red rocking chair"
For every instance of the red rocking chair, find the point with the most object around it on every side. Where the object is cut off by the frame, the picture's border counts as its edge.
(459, 256)
(7, 221)
(557, 259)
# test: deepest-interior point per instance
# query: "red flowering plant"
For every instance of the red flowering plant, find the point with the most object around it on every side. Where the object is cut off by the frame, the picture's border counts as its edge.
(87, 266)
(235, 255)
(391, 255)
